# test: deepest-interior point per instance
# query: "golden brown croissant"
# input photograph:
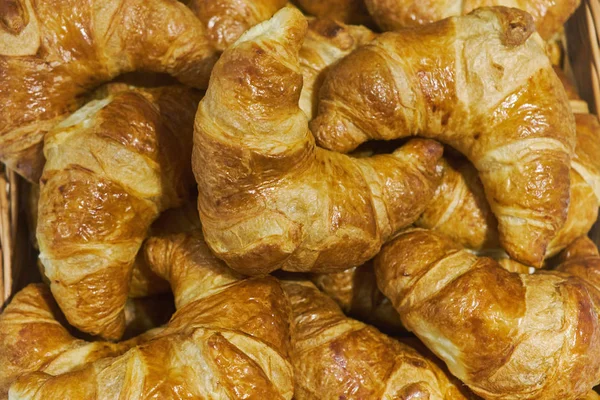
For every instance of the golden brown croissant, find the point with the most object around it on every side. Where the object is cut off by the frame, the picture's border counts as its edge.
(53, 52)
(336, 357)
(459, 208)
(111, 168)
(32, 338)
(480, 83)
(356, 293)
(347, 11)
(591, 395)
(269, 198)
(326, 42)
(144, 282)
(507, 336)
(225, 20)
(460, 211)
(229, 339)
(581, 259)
(548, 15)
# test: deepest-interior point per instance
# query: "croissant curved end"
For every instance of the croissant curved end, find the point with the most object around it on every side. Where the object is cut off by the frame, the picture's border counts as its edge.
(517, 25)
(287, 26)
(13, 17)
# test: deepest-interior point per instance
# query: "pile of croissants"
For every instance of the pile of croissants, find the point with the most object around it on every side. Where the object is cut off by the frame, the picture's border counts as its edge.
(232, 203)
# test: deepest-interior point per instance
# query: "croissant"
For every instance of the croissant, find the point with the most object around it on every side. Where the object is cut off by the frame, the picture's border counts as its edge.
(581, 259)
(460, 211)
(336, 357)
(34, 337)
(591, 395)
(326, 42)
(459, 208)
(225, 20)
(355, 291)
(496, 100)
(345, 11)
(228, 339)
(269, 198)
(53, 53)
(506, 335)
(111, 168)
(143, 281)
(548, 15)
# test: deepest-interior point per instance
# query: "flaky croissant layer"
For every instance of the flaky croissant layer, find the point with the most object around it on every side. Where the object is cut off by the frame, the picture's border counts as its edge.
(460, 210)
(111, 168)
(269, 198)
(549, 15)
(228, 339)
(52, 53)
(336, 357)
(506, 335)
(481, 83)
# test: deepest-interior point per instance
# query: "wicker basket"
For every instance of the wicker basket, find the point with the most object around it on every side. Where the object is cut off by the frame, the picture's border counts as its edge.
(9, 215)
(17, 256)
(583, 55)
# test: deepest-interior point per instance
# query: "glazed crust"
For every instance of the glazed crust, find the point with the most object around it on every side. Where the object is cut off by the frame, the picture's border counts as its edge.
(269, 198)
(225, 20)
(345, 11)
(336, 357)
(182, 219)
(460, 211)
(481, 83)
(111, 168)
(58, 50)
(228, 336)
(355, 291)
(326, 42)
(493, 328)
(459, 208)
(548, 15)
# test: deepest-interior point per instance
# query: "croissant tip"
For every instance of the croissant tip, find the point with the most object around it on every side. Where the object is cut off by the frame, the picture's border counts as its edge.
(532, 254)
(432, 148)
(13, 18)
(289, 24)
(517, 25)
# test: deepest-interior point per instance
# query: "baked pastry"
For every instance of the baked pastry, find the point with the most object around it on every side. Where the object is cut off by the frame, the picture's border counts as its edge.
(496, 100)
(460, 211)
(591, 395)
(355, 291)
(459, 208)
(506, 335)
(269, 198)
(345, 11)
(34, 336)
(228, 336)
(225, 20)
(143, 281)
(336, 357)
(326, 42)
(52, 53)
(581, 259)
(548, 15)
(111, 168)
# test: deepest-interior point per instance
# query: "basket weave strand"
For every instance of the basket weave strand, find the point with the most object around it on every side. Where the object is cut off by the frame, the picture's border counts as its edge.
(9, 216)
